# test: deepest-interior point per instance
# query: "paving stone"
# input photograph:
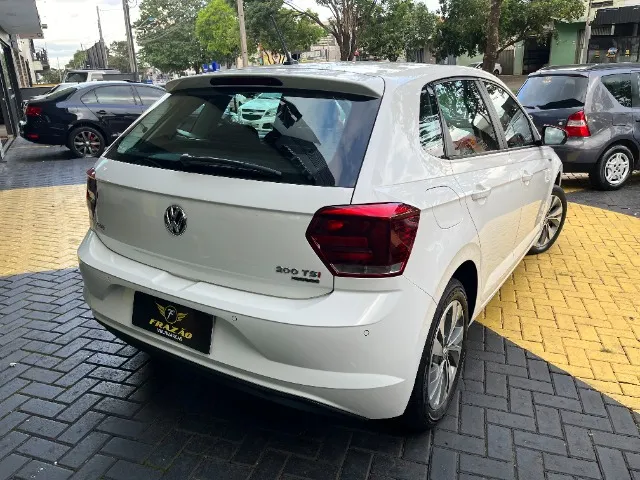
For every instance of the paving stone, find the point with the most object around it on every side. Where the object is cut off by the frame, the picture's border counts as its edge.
(211, 469)
(127, 449)
(499, 442)
(377, 443)
(272, 464)
(43, 408)
(612, 464)
(94, 468)
(84, 450)
(530, 465)
(387, 466)
(472, 420)
(10, 465)
(81, 427)
(123, 470)
(43, 427)
(583, 468)
(586, 421)
(463, 443)
(443, 464)
(42, 449)
(579, 442)
(37, 470)
(486, 467)
(622, 420)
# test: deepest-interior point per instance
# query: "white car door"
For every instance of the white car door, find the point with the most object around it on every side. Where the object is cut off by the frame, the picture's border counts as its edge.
(488, 178)
(534, 163)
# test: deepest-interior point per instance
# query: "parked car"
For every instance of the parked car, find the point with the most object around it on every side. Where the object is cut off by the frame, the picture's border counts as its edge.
(599, 107)
(340, 258)
(86, 117)
(85, 75)
(497, 69)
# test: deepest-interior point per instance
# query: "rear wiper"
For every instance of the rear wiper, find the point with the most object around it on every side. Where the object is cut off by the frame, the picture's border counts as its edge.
(187, 161)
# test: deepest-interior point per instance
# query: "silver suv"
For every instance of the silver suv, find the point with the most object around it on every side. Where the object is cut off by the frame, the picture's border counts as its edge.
(599, 107)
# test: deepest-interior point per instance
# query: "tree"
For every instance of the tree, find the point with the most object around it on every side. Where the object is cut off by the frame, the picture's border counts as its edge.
(490, 26)
(79, 60)
(218, 31)
(167, 37)
(298, 29)
(118, 55)
(51, 76)
(396, 27)
(348, 18)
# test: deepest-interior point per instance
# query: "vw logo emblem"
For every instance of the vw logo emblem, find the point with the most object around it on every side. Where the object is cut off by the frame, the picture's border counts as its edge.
(175, 220)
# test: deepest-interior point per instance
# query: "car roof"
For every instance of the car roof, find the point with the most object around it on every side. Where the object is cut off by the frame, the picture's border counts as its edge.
(593, 67)
(363, 77)
(105, 83)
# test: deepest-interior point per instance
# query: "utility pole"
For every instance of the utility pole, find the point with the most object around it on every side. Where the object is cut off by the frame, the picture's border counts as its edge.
(243, 34)
(103, 47)
(59, 72)
(132, 52)
(587, 36)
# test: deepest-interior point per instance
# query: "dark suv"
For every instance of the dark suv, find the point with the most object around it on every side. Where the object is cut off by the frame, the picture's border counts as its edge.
(599, 107)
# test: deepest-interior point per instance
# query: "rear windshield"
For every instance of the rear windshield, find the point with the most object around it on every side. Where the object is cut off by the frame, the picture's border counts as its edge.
(76, 77)
(553, 91)
(289, 136)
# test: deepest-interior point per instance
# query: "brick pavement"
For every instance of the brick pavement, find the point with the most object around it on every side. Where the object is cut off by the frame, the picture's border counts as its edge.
(77, 403)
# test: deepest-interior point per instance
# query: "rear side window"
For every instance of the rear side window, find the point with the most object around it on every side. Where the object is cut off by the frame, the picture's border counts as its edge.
(554, 91)
(430, 129)
(116, 95)
(149, 95)
(289, 136)
(467, 118)
(619, 85)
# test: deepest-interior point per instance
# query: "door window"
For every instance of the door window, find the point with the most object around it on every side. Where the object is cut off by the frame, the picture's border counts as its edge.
(619, 86)
(513, 119)
(149, 95)
(467, 118)
(430, 130)
(115, 95)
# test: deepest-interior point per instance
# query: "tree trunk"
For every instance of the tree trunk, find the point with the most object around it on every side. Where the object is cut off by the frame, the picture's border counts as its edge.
(493, 37)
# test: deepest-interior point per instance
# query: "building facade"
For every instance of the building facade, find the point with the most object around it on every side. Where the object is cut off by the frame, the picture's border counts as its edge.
(19, 20)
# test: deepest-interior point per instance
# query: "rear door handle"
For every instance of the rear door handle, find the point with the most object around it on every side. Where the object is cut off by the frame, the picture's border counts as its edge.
(526, 177)
(101, 112)
(481, 193)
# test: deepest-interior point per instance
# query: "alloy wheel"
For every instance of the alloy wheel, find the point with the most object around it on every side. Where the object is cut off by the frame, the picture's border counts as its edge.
(87, 143)
(446, 355)
(616, 168)
(551, 223)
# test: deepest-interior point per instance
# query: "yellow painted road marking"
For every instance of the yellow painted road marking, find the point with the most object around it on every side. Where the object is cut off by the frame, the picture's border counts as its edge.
(576, 306)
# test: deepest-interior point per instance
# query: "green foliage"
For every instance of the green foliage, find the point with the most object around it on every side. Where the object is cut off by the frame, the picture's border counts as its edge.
(463, 30)
(79, 60)
(167, 37)
(298, 29)
(118, 55)
(51, 76)
(217, 30)
(396, 27)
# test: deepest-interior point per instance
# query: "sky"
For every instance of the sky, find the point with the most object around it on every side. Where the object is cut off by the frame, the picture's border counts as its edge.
(73, 24)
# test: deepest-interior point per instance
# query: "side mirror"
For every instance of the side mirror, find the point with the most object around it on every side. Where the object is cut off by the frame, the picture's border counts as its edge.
(553, 135)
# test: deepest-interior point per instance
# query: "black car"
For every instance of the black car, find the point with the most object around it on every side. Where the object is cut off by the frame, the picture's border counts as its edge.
(86, 117)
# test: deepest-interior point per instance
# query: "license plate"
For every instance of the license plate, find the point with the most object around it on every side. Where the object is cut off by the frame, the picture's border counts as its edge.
(180, 324)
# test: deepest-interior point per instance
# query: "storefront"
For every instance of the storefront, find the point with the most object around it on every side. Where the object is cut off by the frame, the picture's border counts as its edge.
(18, 19)
(614, 36)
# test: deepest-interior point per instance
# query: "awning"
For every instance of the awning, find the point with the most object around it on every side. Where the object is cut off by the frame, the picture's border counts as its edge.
(613, 16)
(20, 17)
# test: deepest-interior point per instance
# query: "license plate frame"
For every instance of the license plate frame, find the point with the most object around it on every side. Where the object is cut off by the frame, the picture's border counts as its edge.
(172, 321)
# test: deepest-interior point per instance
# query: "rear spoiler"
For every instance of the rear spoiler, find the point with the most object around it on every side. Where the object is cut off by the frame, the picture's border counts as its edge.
(290, 77)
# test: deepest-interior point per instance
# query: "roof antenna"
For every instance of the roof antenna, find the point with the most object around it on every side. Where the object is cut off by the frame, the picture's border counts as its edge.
(289, 61)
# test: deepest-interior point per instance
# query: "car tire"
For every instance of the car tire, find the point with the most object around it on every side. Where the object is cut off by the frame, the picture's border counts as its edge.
(553, 222)
(613, 169)
(86, 141)
(427, 404)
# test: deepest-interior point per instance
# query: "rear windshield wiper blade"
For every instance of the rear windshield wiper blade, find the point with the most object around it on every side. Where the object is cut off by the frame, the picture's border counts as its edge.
(187, 160)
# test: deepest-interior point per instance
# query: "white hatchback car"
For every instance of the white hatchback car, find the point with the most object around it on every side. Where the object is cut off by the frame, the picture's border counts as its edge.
(337, 259)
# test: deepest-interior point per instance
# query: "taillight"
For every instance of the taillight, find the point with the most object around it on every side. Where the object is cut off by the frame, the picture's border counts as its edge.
(577, 125)
(92, 195)
(33, 111)
(371, 240)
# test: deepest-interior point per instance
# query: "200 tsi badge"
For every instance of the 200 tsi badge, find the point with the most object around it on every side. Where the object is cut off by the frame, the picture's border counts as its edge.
(177, 323)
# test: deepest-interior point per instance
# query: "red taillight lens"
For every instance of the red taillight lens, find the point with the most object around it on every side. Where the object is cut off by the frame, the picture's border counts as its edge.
(33, 111)
(373, 240)
(577, 125)
(92, 194)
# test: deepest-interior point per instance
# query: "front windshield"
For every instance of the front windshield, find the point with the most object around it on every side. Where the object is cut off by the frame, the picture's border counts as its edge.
(76, 77)
(308, 137)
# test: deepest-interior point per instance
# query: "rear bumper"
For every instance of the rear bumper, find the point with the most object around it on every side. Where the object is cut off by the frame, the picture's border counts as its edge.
(365, 364)
(40, 135)
(579, 154)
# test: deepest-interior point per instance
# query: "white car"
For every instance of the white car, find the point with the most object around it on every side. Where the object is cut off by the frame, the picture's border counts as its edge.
(340, 258)
(497, 68)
